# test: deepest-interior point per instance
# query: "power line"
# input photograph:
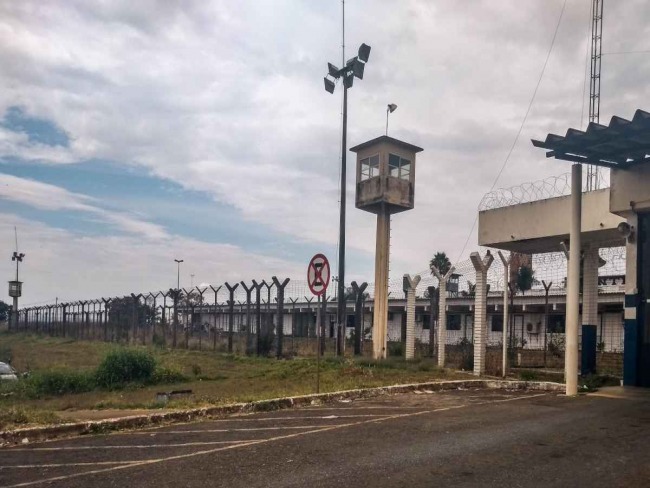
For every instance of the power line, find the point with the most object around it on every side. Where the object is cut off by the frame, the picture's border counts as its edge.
(521, 127)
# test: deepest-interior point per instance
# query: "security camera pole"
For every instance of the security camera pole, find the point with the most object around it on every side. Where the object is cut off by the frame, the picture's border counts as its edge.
(353, 67)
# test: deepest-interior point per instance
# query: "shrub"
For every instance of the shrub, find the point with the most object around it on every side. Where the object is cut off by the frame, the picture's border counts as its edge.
(166, 375)
(466, 349)
(125, 366)
(57, 383)
(527, 375)
(395, 349)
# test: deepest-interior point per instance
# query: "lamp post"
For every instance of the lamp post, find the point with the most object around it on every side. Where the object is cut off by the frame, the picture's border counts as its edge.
(389, 110)
(353, 67)
(178, 273)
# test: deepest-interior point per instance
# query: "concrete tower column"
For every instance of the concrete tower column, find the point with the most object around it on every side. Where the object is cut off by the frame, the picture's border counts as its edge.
(410, 284)
(589, 309)
(480, 309)
(573, 284)
(380, 317)
(442, 312)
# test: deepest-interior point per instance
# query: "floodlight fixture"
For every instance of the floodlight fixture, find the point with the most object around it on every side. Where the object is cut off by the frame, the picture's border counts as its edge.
(390, 108)
(348, 80)
(333, 71)
(18, 257)
(364, 52)
(329, 85)
(357, 68)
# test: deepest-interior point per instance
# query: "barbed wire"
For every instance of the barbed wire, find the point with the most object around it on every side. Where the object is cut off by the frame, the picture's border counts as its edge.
(551, 187)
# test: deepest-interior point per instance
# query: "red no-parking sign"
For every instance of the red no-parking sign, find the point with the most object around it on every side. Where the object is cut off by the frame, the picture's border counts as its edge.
(318, 274)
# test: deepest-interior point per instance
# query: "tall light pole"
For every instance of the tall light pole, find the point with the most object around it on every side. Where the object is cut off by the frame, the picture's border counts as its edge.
(389, 110)
(178, 273)
(353, 67)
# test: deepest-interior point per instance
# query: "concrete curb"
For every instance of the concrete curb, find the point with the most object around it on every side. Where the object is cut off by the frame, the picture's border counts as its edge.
(50, 432)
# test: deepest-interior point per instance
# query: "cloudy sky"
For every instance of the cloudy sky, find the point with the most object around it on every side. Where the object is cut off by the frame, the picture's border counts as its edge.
(133, 133)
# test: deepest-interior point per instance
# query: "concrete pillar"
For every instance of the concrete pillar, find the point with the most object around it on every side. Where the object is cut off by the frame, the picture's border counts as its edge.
(573, 284)
(410, 284)
(380, 317)
(480, 309)
(504, 334)
(589, 309)
(442, 312)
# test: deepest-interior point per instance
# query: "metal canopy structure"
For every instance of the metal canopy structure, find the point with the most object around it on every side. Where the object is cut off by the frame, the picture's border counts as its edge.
(621, 144)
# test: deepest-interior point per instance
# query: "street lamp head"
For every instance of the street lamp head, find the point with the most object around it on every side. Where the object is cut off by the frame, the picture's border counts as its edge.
(391, 107)
(364, 52)
(357, 68)
(329, 85)
(178, 260)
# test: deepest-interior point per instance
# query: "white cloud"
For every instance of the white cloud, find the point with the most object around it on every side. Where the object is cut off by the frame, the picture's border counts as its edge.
(70, 266)
(50, 197)
(227, 97)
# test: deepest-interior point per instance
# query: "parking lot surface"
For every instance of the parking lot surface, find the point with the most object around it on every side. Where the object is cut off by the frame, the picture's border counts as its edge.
(458, 438)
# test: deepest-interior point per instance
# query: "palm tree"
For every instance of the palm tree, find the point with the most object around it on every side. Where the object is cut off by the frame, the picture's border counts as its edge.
(525, 278)
(440, 261)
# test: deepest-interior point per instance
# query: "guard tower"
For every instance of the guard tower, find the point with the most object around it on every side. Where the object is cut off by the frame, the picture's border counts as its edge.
(385, 185)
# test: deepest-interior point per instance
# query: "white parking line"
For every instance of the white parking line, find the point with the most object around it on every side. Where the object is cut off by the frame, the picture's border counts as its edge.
(126, 446)
(325, 417)
(264, 441)
(66, 465)
(252, 429)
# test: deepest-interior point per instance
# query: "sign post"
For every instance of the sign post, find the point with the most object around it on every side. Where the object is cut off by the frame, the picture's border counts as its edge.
(318, 278)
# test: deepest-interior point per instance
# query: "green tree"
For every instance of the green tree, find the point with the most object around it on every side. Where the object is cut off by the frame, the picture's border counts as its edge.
(440, 261)
(525, 278)
(4, 311)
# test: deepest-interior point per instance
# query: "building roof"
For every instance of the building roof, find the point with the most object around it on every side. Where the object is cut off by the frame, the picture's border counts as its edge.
(388, 139)
(621, 144)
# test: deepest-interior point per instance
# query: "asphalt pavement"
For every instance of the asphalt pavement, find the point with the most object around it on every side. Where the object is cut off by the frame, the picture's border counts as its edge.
(426, 439)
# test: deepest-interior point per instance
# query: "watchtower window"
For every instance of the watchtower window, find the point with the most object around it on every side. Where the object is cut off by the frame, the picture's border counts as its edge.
(399, 167)
(370, 167)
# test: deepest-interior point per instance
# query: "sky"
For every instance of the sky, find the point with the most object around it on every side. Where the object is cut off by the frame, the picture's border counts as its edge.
(136, 133)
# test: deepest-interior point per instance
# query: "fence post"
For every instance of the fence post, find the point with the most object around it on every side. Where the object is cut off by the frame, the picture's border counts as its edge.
(442, 311)
(268, 328)
(216, 304)
(480, 309)
(249, 336)
(175, 293)
(409, 286)
(280, 287)
(258, 315)
(231, 312)
(64, 307)
(358, 315)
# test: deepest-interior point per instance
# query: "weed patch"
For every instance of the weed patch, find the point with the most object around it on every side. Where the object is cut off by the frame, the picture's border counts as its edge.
(124, 366)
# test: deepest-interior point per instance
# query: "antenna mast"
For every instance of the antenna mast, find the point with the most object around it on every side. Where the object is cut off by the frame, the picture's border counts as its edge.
(594, 85)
